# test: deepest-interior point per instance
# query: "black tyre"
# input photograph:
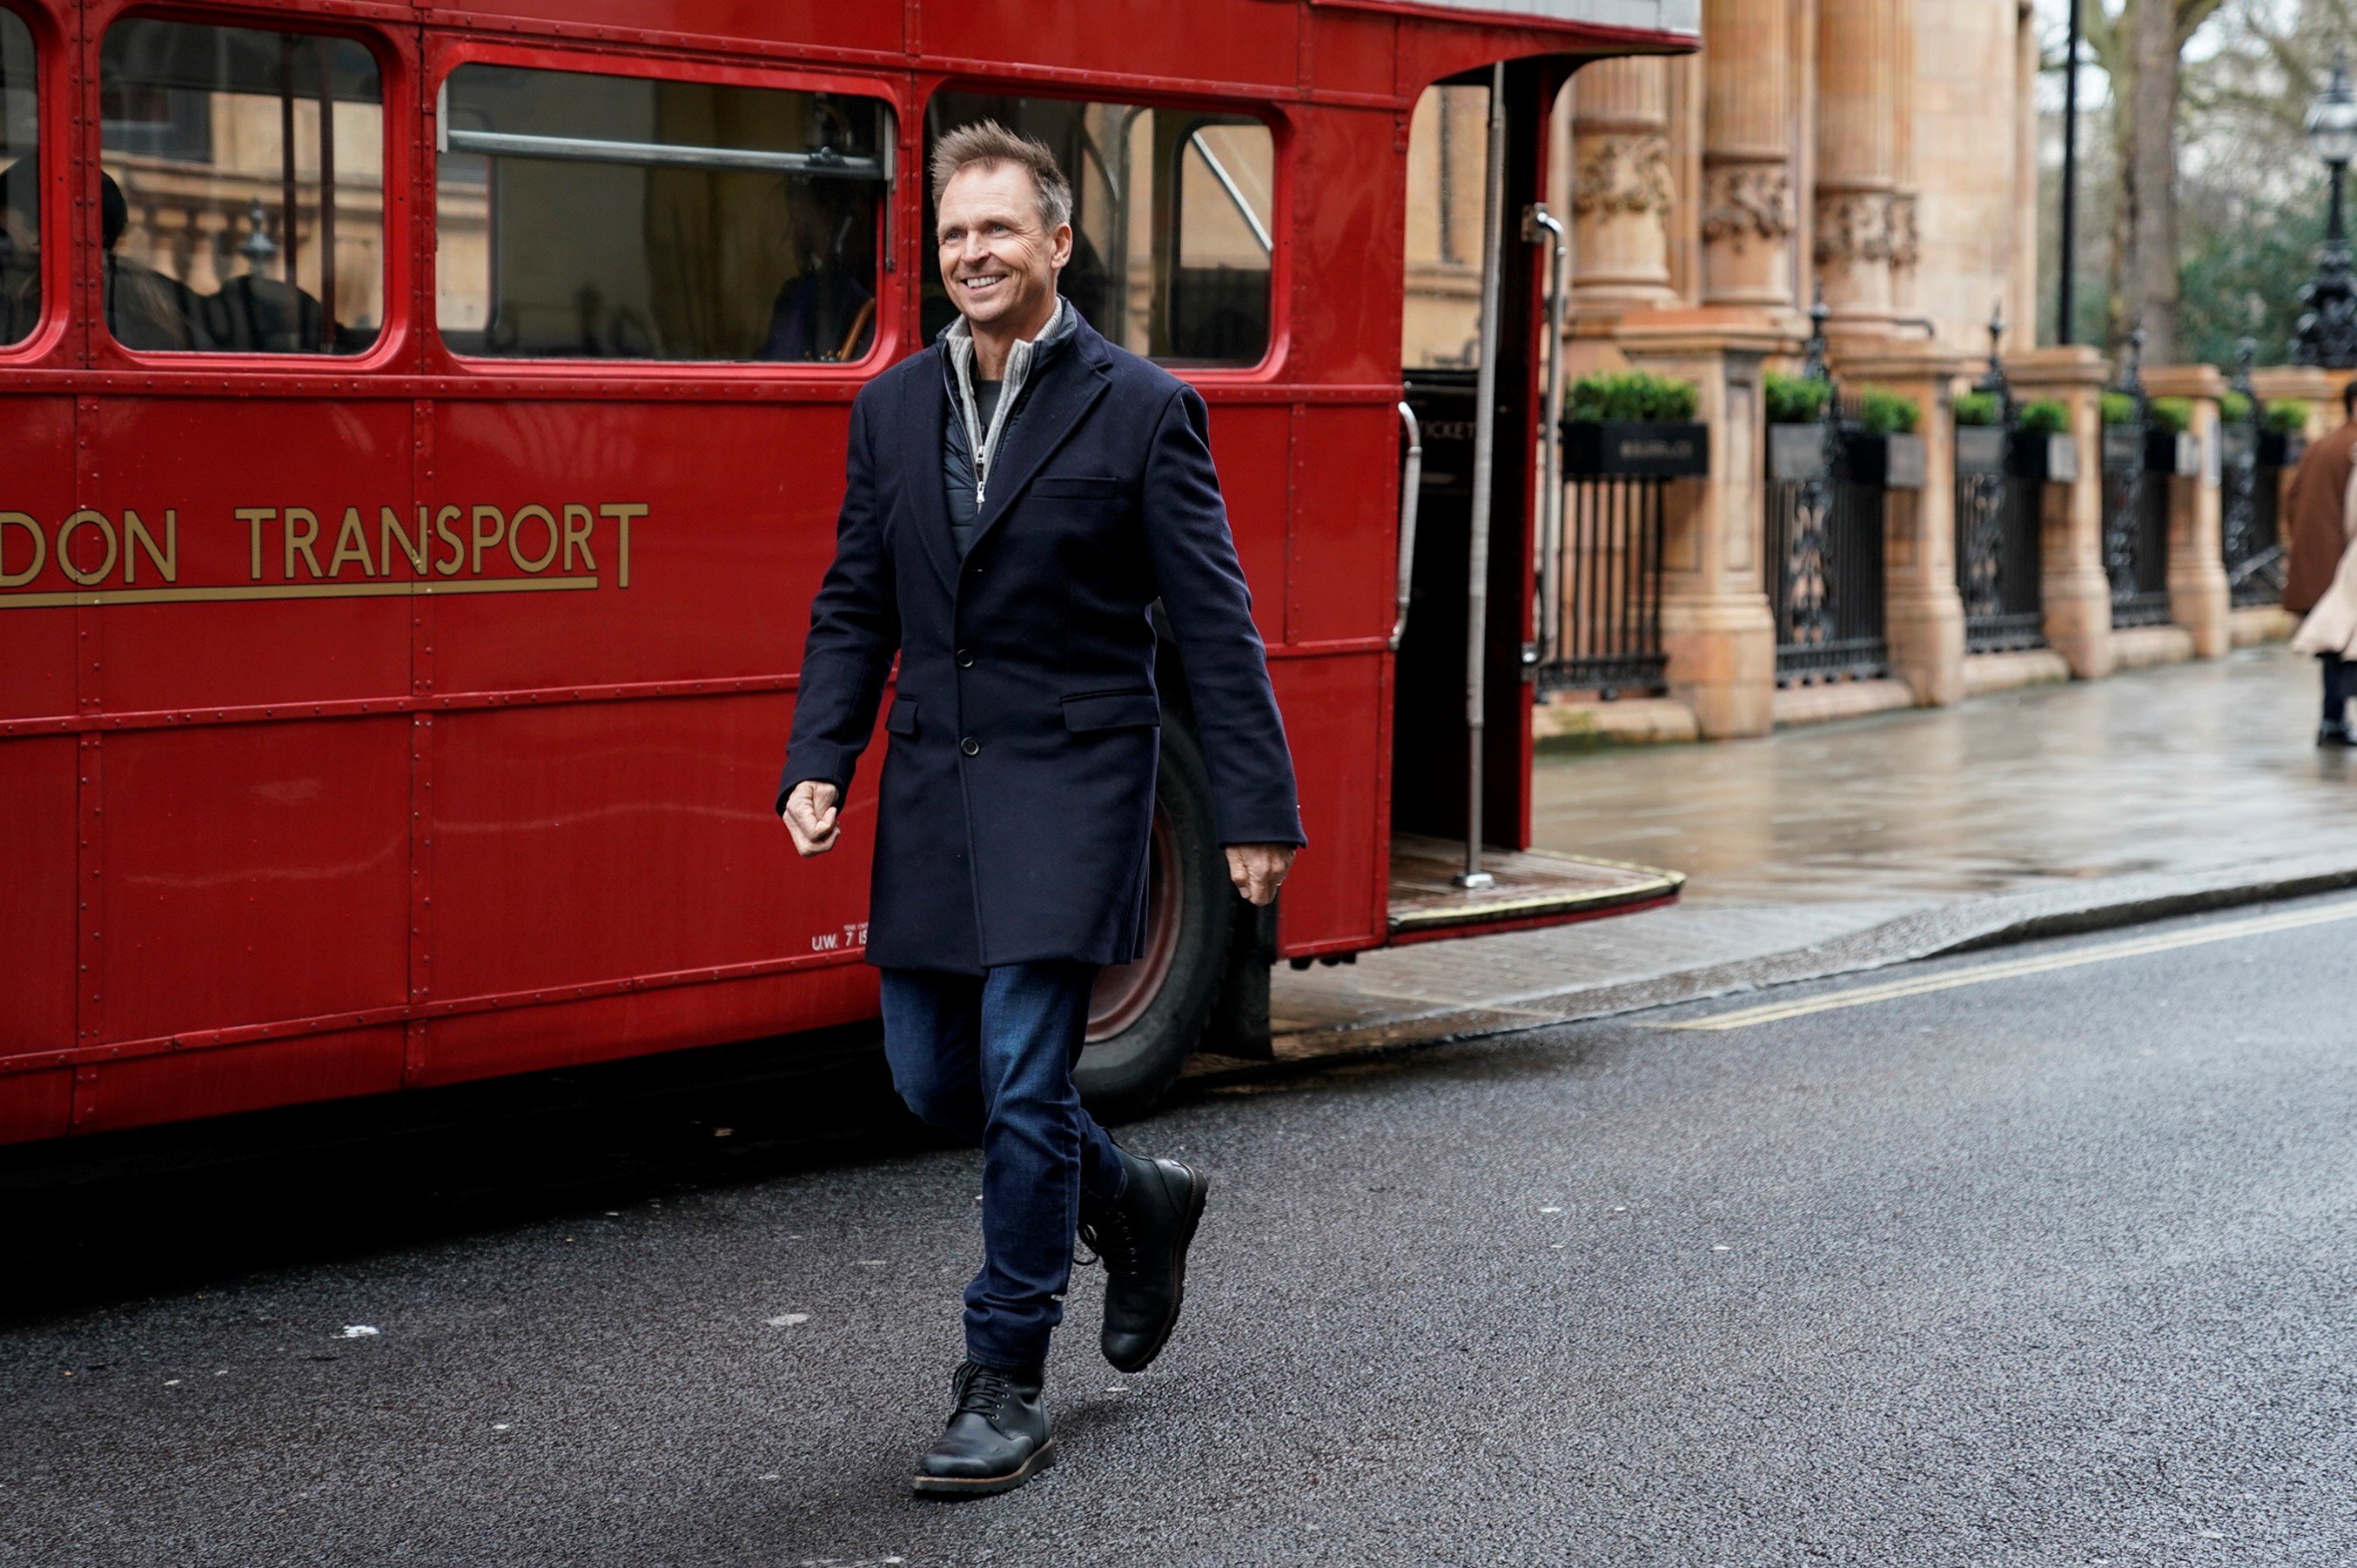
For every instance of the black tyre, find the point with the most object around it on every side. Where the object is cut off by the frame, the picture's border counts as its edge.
(1146, 1018)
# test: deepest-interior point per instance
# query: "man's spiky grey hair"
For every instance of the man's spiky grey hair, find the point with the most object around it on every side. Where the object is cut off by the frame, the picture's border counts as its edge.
(988, 142)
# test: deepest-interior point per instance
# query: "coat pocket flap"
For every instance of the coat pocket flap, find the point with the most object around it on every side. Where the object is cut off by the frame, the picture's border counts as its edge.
(1082, 484)
(1113, 710)
(902, 719)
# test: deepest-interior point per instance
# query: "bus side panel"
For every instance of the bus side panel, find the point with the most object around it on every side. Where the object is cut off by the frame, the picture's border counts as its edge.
(37, 646)
(254, 873)
(1253, 44)
(187, 465)
(180, 1086)
(1252, 448)
(662, 1018)
(730, 511)
(801, 24)
(38, 840)
(1332, 719)
(1346, 307)
(588, 842)
(1345, 571)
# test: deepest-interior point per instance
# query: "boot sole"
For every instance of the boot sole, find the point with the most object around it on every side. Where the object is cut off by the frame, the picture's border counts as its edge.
(1199, 1190)
(987, 1485)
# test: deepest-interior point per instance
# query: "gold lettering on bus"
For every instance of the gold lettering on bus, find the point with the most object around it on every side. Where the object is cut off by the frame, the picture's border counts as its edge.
(90, 556)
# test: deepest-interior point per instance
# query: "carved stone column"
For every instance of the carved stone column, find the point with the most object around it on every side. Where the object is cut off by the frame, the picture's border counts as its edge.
(1716, 629)
(1747, 214)
(1856, 161)
(2077, 593)
(1906, 232)
(1621, 187)
(2198, 596)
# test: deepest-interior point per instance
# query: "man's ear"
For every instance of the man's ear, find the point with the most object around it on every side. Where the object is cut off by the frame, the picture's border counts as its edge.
(1063, 244)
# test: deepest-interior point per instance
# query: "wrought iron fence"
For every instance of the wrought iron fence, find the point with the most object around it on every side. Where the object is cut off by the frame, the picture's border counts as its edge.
(2000, 562)
(1824, 534)
(1611, 615)
(2135, 509)
(2249, 501)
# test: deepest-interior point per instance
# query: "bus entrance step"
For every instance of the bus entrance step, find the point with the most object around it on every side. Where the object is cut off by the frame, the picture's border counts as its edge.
(1528, 887)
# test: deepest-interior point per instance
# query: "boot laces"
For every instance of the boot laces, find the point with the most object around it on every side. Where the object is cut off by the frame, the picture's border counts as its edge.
(980, 1390)
(1113, 1242)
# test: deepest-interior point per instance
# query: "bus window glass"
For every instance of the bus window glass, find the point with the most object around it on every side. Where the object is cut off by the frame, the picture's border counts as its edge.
(1172, 221)
(627, 217)
(216, 144)
(1447, 154)
(20, 184)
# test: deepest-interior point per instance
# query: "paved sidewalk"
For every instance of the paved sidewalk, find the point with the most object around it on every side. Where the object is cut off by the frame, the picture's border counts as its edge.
(1885, 839)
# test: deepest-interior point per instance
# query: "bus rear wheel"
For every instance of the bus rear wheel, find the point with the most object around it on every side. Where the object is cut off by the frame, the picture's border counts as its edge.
(1145, 1018)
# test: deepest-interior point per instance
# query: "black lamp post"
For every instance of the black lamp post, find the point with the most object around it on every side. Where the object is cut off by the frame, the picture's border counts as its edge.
(2327, 333)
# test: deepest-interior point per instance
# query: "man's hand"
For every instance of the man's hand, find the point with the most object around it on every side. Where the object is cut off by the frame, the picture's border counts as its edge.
(1257, 869)
(810, 816)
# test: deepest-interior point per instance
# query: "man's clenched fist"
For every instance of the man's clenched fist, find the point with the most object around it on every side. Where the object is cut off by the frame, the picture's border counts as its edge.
(1257, 869)
(810, 816)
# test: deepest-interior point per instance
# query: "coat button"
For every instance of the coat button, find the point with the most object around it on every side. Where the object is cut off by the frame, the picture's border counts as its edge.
(965, 658)
(970, 746)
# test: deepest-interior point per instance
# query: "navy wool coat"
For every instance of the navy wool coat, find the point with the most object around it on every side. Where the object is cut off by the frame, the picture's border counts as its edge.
(1017, 789)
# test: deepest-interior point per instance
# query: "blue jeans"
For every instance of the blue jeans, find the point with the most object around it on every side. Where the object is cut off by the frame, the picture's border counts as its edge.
(989, 1058)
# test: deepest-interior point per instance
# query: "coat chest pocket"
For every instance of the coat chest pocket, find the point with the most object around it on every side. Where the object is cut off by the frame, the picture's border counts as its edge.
(1113, 710)
(902, 719)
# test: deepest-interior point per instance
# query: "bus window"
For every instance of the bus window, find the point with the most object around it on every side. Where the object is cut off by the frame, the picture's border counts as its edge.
(1172, 221)
(1447, 154)
(215, 146)
(20, 184)
(631, 217)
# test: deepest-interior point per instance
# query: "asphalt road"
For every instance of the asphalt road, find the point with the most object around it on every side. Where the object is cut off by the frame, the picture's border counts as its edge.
(2053, 1268)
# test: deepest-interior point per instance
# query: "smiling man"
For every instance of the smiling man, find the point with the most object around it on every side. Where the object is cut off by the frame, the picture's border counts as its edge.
(1018, 495)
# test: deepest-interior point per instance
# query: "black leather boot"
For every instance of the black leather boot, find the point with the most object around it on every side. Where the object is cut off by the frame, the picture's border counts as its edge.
(1142, 1238)
(997, 1437)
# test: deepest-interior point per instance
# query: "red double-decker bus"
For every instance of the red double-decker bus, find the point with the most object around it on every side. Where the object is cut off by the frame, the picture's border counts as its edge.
(424, 425)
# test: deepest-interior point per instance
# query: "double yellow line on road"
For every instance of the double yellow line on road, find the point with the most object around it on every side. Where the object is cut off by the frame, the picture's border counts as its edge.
(1950, 980)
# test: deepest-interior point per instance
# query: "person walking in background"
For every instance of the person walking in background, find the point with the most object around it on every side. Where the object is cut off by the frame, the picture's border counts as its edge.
(2320, 580)
(1017, 496)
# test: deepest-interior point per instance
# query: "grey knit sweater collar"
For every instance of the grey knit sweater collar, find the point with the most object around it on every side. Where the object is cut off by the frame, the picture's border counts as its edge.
(957, 346)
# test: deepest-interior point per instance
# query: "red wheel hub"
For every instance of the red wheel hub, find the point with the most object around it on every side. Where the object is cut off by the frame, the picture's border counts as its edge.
(1124, 992)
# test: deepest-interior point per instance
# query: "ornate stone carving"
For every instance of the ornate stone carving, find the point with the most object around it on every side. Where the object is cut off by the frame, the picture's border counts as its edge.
(1622, 174)
(1906, 237)
(1853, 227)
(1746, 202)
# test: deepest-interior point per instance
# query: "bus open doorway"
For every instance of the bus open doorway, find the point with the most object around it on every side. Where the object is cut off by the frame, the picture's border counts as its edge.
(1477, 285)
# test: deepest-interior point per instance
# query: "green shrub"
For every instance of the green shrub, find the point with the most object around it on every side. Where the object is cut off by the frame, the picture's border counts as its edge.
(1976, 409)
(2118, 408)
(2234, 407)
(2047, 417)
(1795, 400)
(1637, 396)
(2287, 416)
(1885, 412)
(2174, 415)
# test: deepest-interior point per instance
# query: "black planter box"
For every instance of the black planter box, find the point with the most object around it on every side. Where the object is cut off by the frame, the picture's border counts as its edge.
(1980, 448)
(1636, 449)
(1894, 462)
(2053, 459)
(2278, 449)
(1796, 452)
(2172, 452)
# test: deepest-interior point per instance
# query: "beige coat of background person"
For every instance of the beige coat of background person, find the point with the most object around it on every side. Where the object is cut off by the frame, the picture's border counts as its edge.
(2320, 580)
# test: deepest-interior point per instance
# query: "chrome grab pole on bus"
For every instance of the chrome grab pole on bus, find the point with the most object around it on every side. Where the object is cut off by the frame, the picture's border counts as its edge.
(1411, 485)
(1540, 223)
(1485, 423)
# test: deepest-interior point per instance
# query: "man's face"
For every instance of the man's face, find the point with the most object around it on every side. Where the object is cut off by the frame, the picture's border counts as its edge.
(997, 262)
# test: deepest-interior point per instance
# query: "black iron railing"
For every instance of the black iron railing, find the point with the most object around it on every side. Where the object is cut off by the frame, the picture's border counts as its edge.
(2135, 509)
(1999, 563)
(1612, 586)
(2250, 499)
(1826, 583)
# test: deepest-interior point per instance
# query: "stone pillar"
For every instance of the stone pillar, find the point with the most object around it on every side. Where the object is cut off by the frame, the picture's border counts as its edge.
(1746, 213)
(1621, 188)
(1717, 628)
(2077, 593)
(2022, 282)
(2198, 596)
(1923, 614)
(1906, 231)
(1856, 160)
(2320, 390)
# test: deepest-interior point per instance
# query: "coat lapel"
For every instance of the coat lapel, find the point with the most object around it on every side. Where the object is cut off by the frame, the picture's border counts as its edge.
(1051, 412)
(925, 431)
